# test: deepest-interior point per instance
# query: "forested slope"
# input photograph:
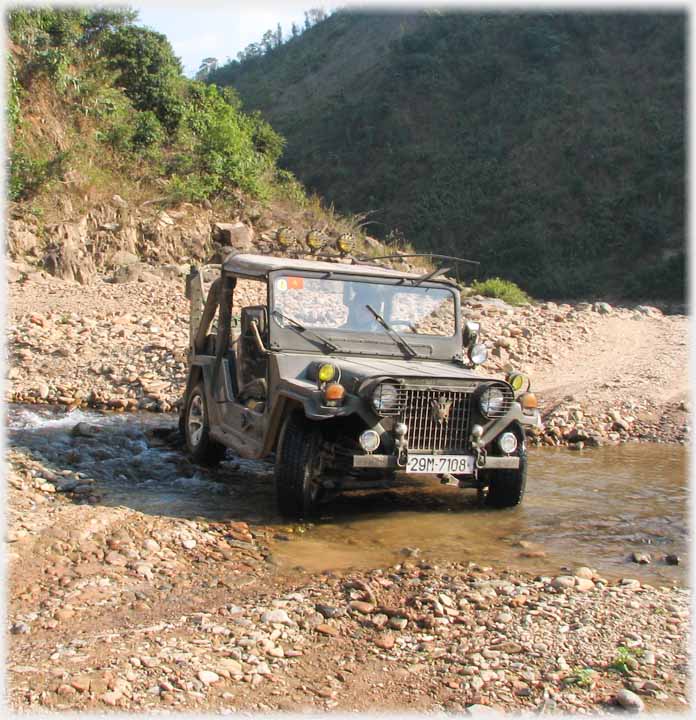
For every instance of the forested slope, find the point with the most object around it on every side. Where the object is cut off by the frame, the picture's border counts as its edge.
(549, 146)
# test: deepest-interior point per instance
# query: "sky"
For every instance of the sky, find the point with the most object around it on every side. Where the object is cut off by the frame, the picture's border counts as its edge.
(220, 30)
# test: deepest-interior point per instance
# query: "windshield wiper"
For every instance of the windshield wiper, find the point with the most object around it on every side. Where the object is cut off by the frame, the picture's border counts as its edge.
(298, 327)
(398, 339)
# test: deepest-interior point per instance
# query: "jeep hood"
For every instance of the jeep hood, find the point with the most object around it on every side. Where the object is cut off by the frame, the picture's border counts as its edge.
(363, 368)
(375, 367)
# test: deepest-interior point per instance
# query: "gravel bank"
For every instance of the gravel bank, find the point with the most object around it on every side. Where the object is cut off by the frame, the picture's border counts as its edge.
(112, 608)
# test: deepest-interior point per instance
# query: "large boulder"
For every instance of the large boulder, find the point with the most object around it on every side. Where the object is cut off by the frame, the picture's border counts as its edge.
(22, 239)
(236, 235)
(67, 255)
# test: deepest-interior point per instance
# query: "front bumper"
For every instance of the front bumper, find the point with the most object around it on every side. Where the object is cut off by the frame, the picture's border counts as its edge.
(389, 462)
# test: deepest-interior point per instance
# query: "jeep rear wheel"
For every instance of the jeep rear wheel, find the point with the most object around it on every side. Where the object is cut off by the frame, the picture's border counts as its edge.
(298, 467)
(506, 487)
(202, 448)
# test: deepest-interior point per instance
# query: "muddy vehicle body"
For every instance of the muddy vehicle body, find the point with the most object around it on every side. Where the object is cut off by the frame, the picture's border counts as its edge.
(347, 374)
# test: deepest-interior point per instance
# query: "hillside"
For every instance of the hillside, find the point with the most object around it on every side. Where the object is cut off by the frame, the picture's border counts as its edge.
(116, 158)
(549, 146)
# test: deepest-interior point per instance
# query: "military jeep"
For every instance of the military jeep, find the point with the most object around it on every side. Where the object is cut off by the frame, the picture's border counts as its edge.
(347, 373)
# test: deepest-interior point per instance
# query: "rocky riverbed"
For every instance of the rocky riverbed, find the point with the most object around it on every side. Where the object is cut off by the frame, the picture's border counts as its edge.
(110, 607)
(115, 605)
(150, 584)
(122, 346)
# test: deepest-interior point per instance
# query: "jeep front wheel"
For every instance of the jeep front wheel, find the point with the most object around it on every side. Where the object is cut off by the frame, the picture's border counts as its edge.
(202, 448)
(506, 487)
(298, 467)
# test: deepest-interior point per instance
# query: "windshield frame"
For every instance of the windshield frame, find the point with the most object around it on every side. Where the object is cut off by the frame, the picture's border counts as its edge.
(352, 342)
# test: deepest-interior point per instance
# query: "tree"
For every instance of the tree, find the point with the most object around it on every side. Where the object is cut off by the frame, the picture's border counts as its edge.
(316, 15)
(149, 72)
(267, 41)
(294, 30)
(278, 39)
(207, 66)
(107, 20)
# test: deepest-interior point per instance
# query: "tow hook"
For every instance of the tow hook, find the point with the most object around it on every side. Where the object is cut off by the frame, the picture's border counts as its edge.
(480, 458)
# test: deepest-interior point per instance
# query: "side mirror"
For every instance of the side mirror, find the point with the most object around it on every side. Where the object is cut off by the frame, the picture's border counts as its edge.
(253, 313)
(470, 333)
(255, 326)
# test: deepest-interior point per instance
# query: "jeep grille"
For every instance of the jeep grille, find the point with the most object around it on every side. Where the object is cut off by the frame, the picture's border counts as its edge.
(437, 418)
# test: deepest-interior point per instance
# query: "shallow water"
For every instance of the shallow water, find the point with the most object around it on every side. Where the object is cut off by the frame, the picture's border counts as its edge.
(593, 507)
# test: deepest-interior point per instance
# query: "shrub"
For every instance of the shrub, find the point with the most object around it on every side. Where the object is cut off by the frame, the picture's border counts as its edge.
(503, 289)
(29, 175)
(192, 188)
(147, 131)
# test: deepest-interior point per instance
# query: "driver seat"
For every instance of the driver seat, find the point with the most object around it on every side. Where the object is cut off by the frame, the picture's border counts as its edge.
(252, 364)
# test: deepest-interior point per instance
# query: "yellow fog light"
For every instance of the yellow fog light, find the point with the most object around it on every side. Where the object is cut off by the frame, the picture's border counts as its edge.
(345, 242)
(285, 237)
(326, 372)
(518, 380)
(528, 401)
(314, 239)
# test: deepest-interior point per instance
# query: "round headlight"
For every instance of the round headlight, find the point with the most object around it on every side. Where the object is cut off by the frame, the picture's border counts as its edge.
(507, 442)
(494, 401)
(385, 399)
(478, 354)
(369, 441)
(285, 237)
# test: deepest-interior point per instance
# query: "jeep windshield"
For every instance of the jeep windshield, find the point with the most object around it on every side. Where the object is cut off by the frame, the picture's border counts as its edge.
(342, 309)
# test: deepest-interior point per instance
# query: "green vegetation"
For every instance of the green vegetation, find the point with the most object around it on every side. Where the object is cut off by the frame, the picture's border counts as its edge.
(581, 677)
(549, 146)
(503, 289)
(625, 660)
(99, 100)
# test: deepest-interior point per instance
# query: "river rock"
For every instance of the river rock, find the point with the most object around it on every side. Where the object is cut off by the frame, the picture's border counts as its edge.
(584, 572)
(364, 608)
(563, 582)
(641, 558)
(276, 616)
(629, 701)
(325, 629)
(385, 641)
(208, 677)
(583, 584)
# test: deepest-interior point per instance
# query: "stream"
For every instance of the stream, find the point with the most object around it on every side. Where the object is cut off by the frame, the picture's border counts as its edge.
(594, 507)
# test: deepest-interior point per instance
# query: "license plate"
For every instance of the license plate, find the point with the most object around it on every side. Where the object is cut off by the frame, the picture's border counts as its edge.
(437, 464)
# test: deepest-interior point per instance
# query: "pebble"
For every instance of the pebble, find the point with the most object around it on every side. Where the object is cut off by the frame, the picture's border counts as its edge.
(325, 629)
(385, 641)
(364, 608)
